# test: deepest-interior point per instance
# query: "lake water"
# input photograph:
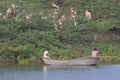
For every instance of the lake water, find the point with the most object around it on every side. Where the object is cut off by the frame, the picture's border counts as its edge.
(37, 72)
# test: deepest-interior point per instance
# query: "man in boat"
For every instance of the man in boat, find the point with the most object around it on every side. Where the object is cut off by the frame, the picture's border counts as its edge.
(46, 54)
(95, 53)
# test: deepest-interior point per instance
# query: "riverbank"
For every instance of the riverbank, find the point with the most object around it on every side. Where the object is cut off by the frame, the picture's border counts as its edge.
(109, 60)
(102, 60)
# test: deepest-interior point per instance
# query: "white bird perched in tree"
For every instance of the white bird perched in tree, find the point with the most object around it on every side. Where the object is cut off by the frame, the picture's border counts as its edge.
(8, 12)
(75, 23)
(73, 13)
(88, 14)
(13, 6)
(60, 23)
(29, 17)
(44, 17)
(55, 26)
(63, 18)
(56, 7)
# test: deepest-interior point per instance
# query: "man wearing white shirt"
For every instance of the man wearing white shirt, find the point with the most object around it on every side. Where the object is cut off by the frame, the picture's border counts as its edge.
(46, 54)
(95, 53)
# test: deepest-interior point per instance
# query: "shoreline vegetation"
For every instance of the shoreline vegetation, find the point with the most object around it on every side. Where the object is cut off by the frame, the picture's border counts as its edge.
(102, 60)
(69, 28)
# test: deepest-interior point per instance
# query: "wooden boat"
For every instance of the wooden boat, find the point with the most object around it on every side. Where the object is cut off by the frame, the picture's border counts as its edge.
(79, 61)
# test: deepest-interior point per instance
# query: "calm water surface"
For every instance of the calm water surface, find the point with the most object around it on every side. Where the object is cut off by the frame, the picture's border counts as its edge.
(37, 72)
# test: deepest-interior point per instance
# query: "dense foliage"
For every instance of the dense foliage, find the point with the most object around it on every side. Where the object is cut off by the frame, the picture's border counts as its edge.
(27, 39)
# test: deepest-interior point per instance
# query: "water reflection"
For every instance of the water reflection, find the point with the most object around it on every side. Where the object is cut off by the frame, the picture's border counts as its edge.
(65, 72)
(81, 72)
(38, 72)
(46, 68)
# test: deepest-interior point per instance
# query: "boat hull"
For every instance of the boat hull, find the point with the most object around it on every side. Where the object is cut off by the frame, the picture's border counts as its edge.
(80, 61)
